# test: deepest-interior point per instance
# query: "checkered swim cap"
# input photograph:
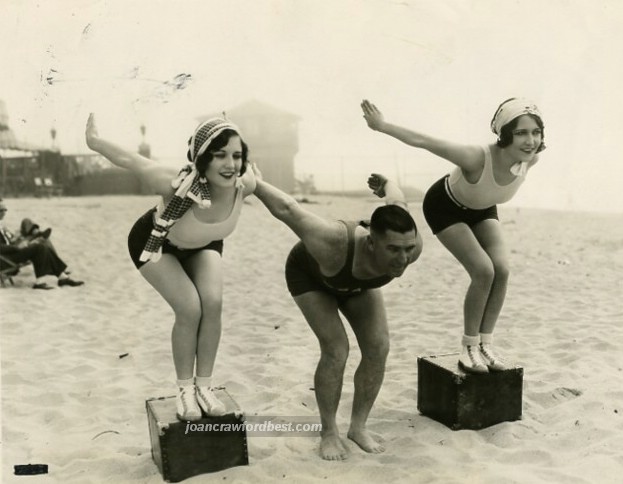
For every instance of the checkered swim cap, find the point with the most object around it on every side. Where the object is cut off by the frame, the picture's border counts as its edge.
(205, 133)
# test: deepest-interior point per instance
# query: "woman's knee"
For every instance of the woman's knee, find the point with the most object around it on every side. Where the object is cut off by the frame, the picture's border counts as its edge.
(211, 306)
(502, 270)
(483, 273)
(188, 315)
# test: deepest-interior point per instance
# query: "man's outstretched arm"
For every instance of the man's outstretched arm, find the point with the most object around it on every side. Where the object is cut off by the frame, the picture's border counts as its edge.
(320, 236)
(306, 225)
(388, 190)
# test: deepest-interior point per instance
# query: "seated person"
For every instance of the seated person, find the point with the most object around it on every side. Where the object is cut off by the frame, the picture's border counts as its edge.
(34, 246)
(31, 231)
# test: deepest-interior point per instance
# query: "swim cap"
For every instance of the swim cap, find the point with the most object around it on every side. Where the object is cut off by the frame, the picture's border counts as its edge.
(510, 110)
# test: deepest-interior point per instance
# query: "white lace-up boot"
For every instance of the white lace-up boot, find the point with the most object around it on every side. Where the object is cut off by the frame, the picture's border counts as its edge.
(493, 361)
(209, 403)
(471, 360)
(186, 403)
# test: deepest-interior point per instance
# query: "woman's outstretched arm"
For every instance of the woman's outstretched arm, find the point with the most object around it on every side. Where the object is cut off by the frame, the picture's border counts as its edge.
(157, 175)
(468, 157)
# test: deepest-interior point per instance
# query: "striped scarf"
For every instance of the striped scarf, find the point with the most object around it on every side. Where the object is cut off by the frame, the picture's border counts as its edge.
(190, 187)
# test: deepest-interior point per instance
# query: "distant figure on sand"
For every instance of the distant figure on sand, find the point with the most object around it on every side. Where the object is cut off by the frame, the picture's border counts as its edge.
(339, 266)
(33, 245)
(461, 210)
(177, 245)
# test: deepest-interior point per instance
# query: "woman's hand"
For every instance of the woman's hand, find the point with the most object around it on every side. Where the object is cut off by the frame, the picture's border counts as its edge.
(372, 115)
(91, 134)
(377, 182)
(256, 171)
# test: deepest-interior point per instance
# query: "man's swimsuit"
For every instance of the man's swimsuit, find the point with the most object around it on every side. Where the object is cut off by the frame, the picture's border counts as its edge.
(303, 272)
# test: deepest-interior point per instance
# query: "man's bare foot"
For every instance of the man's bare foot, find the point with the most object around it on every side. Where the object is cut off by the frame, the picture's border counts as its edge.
(363, 439)
(332, 447)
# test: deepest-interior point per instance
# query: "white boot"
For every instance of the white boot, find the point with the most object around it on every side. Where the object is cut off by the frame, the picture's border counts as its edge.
(493, 361)
(186, 402)
(209, 403)
(471, 360)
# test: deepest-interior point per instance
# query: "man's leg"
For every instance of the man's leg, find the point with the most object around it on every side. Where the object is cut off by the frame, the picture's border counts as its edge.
(321, 312)
(45, 261)
(366, 315)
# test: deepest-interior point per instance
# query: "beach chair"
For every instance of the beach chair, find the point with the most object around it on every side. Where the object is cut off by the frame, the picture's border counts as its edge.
(40, 188)
(53, 188)
(8, 269)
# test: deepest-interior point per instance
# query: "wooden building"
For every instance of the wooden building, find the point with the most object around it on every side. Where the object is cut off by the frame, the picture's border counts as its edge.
(272, 136)
(19, 161)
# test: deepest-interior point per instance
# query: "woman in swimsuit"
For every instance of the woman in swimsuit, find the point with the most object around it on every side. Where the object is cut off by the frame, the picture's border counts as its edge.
(461, 211)
(177, 245)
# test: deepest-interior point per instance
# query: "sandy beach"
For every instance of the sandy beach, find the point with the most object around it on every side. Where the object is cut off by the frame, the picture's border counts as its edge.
(70, 401)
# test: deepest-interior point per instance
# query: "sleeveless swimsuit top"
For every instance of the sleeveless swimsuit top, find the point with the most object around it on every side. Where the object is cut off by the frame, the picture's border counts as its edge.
(190, 233)
(344, 282)
(485, 192)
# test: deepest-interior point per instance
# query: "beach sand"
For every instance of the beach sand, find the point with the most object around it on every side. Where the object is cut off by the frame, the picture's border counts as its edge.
(70, 401)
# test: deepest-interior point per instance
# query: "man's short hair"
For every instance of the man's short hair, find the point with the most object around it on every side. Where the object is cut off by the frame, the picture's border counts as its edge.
(391, 217)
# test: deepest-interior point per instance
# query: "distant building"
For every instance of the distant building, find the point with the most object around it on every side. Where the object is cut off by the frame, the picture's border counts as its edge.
(27, 169)
(272, 136)
(19, 160)
(10, 146)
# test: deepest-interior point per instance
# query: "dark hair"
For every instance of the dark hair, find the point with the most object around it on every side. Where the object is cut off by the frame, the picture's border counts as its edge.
(506, 132)
(391, 217)
(217, 143)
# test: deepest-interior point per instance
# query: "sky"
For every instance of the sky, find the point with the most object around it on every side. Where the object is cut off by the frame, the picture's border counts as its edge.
(437, 66)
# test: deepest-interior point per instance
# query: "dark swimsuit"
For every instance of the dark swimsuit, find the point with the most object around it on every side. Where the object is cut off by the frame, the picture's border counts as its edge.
(303, 272)
(140, 233)
(441, 209)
